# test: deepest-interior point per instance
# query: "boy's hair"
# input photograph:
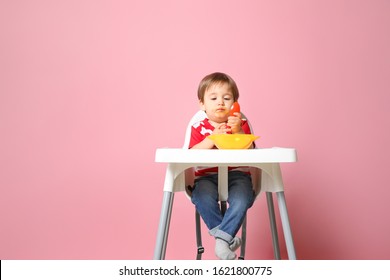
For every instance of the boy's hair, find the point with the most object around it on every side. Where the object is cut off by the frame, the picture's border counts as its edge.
(217, 78)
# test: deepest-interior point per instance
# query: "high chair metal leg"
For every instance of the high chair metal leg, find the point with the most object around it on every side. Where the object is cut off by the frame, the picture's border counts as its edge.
(286, 226)
(200, 248)
(163, 228)
(243, 239)
(272, 220)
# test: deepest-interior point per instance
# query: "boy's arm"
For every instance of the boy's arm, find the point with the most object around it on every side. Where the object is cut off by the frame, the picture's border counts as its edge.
(204, 144)
(207, 143)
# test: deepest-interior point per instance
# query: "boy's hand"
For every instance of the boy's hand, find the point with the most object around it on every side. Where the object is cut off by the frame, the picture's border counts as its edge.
(221, 129)
(234, 122)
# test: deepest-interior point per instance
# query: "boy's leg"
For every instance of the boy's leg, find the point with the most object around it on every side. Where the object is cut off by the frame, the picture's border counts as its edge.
(224, 228)
(241, 197)
(205, 198)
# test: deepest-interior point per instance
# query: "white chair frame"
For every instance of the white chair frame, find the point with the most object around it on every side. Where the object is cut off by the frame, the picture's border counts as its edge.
(260, 184)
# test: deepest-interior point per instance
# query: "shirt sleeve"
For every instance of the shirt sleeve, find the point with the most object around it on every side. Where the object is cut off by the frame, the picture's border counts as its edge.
(247, 130)
(196, 137)
(245, 127)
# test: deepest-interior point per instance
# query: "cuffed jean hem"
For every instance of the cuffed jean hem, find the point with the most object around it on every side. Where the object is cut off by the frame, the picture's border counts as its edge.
(217, 233)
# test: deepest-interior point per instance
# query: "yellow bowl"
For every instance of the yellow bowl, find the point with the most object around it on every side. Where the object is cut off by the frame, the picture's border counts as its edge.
(233, 141)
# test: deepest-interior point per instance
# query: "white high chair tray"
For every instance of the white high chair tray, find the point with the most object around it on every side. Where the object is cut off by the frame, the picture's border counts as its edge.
(231, 157)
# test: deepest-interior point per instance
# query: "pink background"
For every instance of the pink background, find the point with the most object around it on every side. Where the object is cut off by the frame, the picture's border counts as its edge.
(89, 90)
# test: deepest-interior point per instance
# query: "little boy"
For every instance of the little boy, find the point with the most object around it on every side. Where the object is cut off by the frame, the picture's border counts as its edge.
(216, 93)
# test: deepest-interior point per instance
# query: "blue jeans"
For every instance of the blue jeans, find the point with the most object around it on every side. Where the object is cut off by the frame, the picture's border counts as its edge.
(240, 198)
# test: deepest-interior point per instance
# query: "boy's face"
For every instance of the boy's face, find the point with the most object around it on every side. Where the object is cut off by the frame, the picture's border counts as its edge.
(217, 101)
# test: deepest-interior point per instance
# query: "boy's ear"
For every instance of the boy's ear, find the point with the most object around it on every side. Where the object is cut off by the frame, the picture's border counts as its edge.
(201, 105)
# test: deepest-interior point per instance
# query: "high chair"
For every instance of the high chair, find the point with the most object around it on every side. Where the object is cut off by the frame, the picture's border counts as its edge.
(266, 177)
